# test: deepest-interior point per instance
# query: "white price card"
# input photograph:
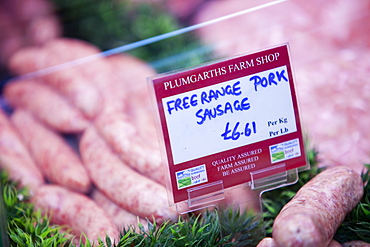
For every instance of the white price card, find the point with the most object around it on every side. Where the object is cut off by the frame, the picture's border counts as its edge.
(223, 121)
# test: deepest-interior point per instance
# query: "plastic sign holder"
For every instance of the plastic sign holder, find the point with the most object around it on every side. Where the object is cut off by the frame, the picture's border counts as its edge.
(229, 123)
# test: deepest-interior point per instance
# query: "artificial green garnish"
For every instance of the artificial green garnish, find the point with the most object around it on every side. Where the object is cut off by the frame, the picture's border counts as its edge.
(4, 240)
(221, 227)
(25, 226)
(228, 227)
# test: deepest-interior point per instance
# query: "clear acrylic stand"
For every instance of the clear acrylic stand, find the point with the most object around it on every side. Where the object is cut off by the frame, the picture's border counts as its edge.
(281, 177)
(209, 195)
(202, 196)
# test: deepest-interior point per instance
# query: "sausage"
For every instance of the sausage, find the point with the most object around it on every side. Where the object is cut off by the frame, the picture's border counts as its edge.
(76, 211)
(334, 243)
(129, 189)
(126, 140)
(132, 72)
(356, 243)
(113, 91)
(42, 29)
(312, 217)
(24, 23)
(69, 81)
(11, 35)
(110, 86)
(77, 81)
(44, 102)
(121, 217)
(15, 158)
(26, 60)
(270, 242)
(267, 242)
(76, 49)
(55, 158)
(98, 70)
(26, 10)
(78, 89)
(52, 53)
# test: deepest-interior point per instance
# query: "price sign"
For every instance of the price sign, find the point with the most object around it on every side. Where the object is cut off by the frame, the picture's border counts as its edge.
(225, 120)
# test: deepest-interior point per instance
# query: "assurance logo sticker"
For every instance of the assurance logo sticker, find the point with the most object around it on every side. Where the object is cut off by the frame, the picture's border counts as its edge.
(192, 176)
(285, 150)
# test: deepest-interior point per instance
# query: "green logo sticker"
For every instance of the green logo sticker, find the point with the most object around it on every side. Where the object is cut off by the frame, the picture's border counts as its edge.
(192, 176)
(285, 150)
